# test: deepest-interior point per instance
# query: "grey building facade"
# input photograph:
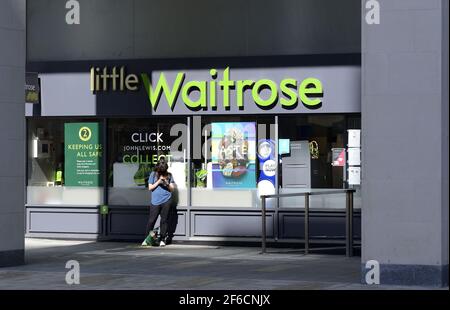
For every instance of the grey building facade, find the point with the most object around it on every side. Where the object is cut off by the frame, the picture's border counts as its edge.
(405, 192)
(12, 124)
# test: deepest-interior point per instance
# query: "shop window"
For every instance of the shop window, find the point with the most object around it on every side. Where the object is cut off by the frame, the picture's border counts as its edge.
(134, 148)
(306, 154)
(65, 162)
(233, 159)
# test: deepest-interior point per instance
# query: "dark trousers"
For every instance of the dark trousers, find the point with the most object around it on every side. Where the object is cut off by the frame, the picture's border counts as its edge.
(172, 222)
(164, 211)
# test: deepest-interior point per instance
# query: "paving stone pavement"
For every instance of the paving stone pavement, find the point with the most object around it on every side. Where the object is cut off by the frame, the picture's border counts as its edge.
(119, 265)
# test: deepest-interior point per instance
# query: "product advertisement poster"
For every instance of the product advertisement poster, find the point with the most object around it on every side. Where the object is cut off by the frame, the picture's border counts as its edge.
(233, 151)
(83, 154)
(267, 167)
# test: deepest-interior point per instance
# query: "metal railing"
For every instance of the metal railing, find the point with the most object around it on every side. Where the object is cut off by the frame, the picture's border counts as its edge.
(348, 216)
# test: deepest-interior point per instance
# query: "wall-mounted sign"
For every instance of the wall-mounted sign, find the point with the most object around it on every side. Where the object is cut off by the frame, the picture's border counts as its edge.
(280, 90)
(219, 88)
(83, 154)
(32, 88)
(232, 90)
(233, 151)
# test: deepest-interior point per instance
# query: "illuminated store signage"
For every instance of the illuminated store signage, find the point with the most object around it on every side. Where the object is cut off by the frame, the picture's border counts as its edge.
(218, 89)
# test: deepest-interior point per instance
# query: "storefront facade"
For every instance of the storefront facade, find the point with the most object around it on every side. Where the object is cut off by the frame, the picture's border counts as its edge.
(403, 108)
(302, 107)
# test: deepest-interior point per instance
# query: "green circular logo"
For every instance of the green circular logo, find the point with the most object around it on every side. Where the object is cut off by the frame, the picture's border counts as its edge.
(85, 134)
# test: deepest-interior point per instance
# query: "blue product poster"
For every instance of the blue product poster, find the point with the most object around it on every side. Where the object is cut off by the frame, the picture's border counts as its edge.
(234, 155)
(267, 165)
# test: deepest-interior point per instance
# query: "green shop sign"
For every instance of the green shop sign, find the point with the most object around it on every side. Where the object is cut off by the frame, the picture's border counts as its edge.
(215, 91)
(83, 154)
(309, 91)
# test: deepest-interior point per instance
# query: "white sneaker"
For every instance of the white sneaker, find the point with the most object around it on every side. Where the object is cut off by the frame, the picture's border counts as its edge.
(144, 243)
(162, 243)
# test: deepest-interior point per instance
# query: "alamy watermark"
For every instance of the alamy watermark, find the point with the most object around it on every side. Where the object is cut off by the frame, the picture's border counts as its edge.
(73, 275)
(73, 13)
(372, 12)
(372, 272)
(201, 142)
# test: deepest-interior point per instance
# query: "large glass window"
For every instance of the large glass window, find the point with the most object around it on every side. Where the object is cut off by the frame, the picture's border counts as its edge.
(65, 162)
(134, 147)
(307, 144)
(233, 159)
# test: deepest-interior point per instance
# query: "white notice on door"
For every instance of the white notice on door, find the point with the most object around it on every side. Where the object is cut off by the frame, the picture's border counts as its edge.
(354, 175)
(354, 156)
(354, 138)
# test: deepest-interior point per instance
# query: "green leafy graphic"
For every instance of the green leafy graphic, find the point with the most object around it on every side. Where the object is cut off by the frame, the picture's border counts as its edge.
(142, 174)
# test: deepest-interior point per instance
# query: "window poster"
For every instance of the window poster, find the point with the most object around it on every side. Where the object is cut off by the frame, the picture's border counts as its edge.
(354, 156)
(354, 175)
(338, 157)
(267, 167)
(83, 154)
(354, 138)
(233, 151)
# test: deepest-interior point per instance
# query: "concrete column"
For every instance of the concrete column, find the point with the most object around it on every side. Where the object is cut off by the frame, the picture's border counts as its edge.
(12, 133)
(405, 142)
